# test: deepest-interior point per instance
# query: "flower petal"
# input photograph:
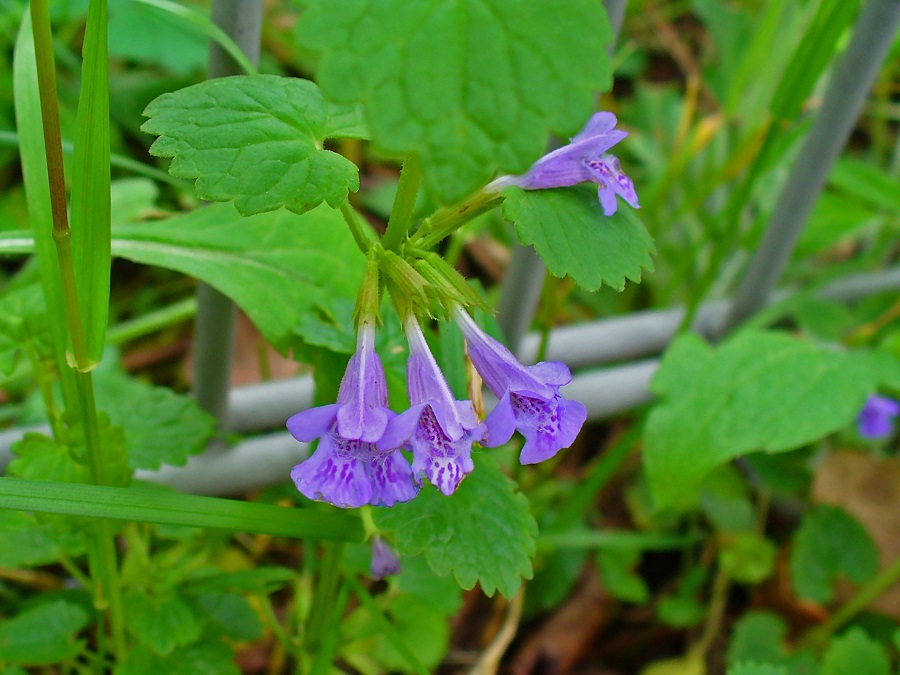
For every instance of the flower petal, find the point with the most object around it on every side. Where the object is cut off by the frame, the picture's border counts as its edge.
(501, 423)
(363, 392)
(443, 460)
(308, 425)
(392, 479)
(598, 124)
(401, 428)
(548, 426)
(335, 473)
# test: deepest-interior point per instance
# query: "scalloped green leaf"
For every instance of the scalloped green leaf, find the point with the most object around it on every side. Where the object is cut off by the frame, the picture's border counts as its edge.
(830, 544)
(42, 635)
(470, 86)
(278, 267)
(256, 139)
(484, 533)
(569, 231)
(759, 390)
(855, 652)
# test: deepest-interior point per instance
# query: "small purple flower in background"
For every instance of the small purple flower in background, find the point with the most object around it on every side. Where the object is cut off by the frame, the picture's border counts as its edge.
(876, 419)
(583, 160)
(384, 561)
(347, 469)
(438, 429)
(529, 396)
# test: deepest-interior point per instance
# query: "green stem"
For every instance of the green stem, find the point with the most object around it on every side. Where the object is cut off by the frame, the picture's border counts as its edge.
(449, 219)
(322, 611)
(62, 236)
(102, 544)
(152, 322)
(889, 576)
(404, 208)
(361, 235)
(104, 563)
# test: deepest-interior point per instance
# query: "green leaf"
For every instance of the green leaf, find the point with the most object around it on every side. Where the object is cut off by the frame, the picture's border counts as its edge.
(855, 652)
(466, 112)
(417, 579)
(311, 260)
(484, 533)
(747, 557)
(570, 233)
(143, 33)
(256, 139)
(423, 631)
(166, 507)
(26, 542)
(231, 615)
(759, 637)
(22, 321)
(829, 544)
(619, 577)
(751, 668)
(42, 635)
(160, 426)
(39, 457)
(202, 658)
(258, 580)
(90, 207)
(757, 391)
(161, 623)
(681, 609)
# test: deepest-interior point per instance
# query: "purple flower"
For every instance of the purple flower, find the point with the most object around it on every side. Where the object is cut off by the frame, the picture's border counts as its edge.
(583, 160)
(347, 469)
(438, 429)
(529, 396)
(876, 419)
(384, 561)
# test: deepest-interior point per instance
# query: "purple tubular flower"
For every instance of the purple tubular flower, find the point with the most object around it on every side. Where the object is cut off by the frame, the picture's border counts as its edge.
(529, 396)
(583, 160)
(438, 429)
(876, 419)
(347, 469)
(384, 561)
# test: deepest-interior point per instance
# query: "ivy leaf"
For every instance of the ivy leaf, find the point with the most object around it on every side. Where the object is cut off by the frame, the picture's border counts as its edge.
(830, 543)
(759, 637)
(160, 426)
(619, 577)
(161, 623)
(484, 533)
(466, 112)
(42, 635)
(311, 260)
(27, 542)
(573, 237)
(855, 652)
(752, 668)
(231, 615)
(757, 391)
(256, 139)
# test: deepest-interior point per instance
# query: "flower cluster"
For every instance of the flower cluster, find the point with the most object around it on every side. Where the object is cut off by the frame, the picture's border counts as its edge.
(359, 461)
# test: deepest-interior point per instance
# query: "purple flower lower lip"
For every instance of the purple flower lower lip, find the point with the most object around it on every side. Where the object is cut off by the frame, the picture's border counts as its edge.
(583, 160)
(876, 419)
(347, 469)
(529, 396)
(438, 429)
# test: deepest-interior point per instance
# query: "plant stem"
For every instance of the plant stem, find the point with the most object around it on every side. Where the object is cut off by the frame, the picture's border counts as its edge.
(322, 611)
(152, 321)
(449, 219)
(889, 576)
(361, 235)
(103, 561)
(404, 207)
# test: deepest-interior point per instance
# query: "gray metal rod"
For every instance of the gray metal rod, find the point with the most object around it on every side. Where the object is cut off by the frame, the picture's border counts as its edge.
(853, 76)
(216, 313)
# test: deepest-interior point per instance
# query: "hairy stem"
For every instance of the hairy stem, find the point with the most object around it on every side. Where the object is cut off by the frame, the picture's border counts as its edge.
(401, 218)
